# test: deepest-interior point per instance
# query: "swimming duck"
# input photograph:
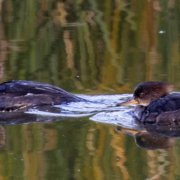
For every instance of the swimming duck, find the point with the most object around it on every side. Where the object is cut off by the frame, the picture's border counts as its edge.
(157, 102)
(19, 95)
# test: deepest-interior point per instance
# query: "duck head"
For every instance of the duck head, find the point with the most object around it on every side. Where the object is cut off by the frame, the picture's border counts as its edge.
(146, 92)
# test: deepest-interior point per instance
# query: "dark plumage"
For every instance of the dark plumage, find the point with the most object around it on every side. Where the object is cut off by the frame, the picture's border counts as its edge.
(157, 108)
(158, 105)
(19, 95)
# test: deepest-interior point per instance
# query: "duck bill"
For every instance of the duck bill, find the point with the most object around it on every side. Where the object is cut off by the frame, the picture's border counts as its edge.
(128, 103)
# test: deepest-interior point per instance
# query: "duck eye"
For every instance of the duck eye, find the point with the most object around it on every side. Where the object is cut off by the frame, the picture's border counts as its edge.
(146, 112)
(141, 94)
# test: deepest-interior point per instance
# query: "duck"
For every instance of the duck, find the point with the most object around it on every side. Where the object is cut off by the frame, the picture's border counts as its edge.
(157, 103)
(20, 95)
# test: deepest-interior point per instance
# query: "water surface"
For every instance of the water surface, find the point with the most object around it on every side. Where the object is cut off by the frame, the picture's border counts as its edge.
(91, 48)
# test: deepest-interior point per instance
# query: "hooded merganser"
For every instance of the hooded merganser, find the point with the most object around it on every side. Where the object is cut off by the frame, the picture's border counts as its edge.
(19, 95)
(158, 104)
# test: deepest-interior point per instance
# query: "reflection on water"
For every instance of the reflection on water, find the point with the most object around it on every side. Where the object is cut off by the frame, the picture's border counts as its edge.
(48, 150)
(87, 47)
(77, 148)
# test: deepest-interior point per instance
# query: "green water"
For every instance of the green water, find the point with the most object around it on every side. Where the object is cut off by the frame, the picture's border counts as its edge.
(88, 47)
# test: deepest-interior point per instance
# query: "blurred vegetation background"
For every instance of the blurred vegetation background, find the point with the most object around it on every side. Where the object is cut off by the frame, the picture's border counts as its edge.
(89, 45)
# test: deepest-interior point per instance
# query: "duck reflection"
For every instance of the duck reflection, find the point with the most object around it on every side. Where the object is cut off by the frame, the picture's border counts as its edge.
(149, 140)
(15, 118)
(160, 135)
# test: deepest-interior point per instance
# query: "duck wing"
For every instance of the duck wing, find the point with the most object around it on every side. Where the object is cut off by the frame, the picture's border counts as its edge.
(170, 102)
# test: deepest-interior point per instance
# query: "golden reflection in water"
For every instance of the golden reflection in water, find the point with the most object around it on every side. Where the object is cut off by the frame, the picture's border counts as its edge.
(112, 46)
(69, 49)
(148, 32)
(117, 144)
(158, 163)
(96, 171)
(50, 139)
(115, 24)
(89, 17)
(34, 165)
(34, 160)
(3, 48)
(59, 14)
(37, 140)
(90, 141)
(97, 150)
(100, 148)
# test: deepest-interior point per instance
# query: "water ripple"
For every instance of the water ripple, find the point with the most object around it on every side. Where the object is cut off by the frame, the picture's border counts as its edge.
(99, 108)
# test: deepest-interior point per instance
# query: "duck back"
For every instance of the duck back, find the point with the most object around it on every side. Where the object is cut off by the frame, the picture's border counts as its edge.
(163, 109)
(170, 102)
(21, 94)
